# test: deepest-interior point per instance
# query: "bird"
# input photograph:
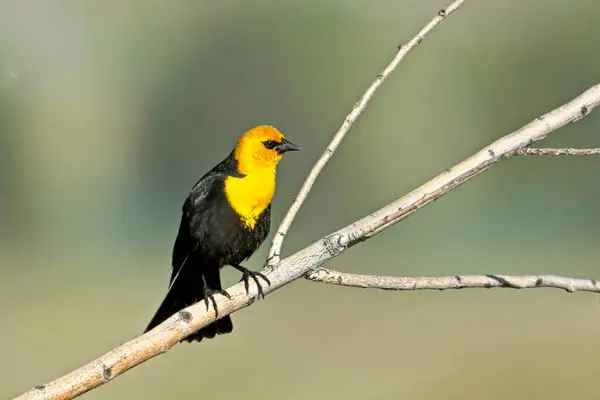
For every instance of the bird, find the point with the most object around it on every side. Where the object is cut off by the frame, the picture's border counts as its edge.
(225, 218)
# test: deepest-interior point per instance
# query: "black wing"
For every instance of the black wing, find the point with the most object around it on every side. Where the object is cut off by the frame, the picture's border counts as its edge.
(192, 209)
(185, 244)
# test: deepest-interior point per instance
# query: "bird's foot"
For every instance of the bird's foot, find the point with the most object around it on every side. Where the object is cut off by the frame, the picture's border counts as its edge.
(209, 295)
(254, 275)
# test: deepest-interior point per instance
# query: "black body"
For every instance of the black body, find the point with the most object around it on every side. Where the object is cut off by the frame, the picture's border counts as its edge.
(211, 235)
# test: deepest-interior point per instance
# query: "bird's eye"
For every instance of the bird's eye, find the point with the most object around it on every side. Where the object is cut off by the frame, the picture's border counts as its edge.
(270, 144)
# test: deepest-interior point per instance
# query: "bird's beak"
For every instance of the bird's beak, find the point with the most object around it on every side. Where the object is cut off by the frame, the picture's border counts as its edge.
(286, 145)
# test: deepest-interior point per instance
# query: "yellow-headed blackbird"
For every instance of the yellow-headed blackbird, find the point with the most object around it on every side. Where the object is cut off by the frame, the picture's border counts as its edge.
(225, 218)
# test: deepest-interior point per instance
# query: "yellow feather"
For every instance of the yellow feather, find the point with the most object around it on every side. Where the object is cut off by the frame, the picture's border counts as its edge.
(249, 196)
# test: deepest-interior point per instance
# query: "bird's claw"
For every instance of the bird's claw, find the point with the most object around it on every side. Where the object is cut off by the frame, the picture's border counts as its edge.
(210, 295)
(254, 275)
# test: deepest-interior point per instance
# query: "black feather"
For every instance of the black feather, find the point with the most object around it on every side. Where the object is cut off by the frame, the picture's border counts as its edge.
(211, 235)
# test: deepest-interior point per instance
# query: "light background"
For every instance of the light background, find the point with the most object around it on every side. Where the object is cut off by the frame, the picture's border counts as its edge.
(110, 111)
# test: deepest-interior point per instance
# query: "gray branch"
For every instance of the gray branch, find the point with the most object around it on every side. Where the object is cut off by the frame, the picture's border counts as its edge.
(557, 152)
(571, 285)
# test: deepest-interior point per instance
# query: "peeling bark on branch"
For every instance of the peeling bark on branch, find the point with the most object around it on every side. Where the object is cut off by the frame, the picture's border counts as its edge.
(558, 152)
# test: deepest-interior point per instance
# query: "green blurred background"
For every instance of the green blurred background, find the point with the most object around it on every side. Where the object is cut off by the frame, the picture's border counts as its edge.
(110, 111)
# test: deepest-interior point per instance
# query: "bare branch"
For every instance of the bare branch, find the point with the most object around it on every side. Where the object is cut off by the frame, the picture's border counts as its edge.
(557, 152)
(190, 319)
(453, 282)
(275, 250)
(500, 150)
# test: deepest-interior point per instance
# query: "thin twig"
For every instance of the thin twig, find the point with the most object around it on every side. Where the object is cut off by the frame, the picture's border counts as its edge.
(571, 285)
(190, 319)
(557, 152)
(275, 250)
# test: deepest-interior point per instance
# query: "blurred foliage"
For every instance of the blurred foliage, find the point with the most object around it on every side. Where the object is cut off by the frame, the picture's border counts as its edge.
(110, 111)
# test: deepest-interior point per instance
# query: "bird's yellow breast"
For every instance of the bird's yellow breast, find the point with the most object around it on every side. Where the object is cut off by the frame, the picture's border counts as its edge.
(251, 195)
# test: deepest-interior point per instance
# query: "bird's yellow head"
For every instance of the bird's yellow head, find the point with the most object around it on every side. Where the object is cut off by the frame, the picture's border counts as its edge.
(261, 147)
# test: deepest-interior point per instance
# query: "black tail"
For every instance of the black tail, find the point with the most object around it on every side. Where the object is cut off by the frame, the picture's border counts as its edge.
(186, 290)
